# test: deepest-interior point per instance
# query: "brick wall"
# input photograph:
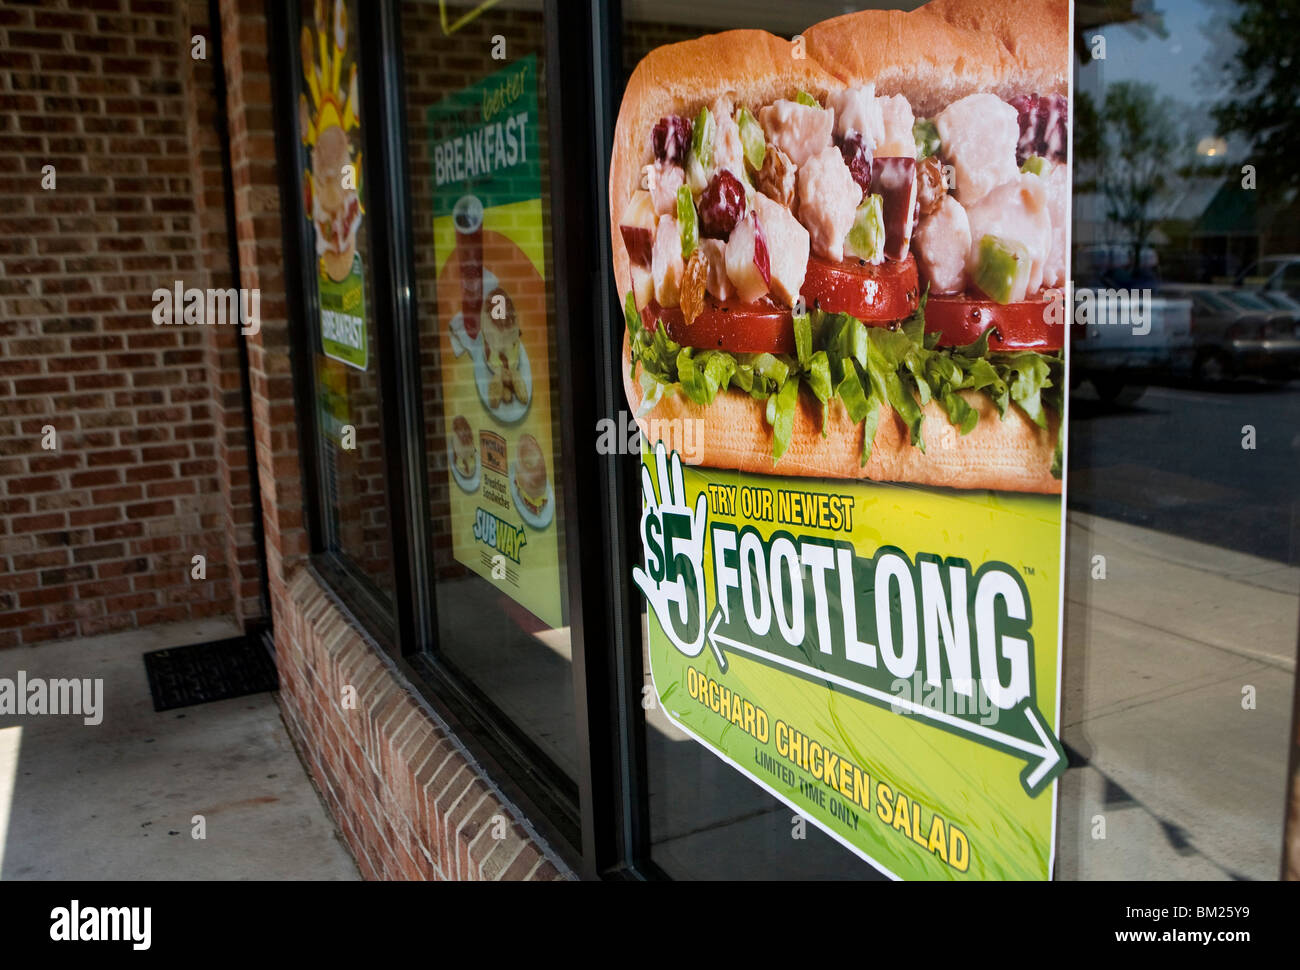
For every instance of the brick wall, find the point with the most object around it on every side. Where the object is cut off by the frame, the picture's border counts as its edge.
(98, 534)
(207, 172)
(261, 264)
(409, 801)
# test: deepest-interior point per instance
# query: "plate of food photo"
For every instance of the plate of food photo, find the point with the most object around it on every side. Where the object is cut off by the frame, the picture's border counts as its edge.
(462, 453)
(466, 331)
(501, 367)
(530, 485)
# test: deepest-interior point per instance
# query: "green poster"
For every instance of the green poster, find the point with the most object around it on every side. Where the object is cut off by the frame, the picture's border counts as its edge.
(484, 140)
(883, 658)
(330, 132)
(495, 336)
(343, 317)
(842, 290)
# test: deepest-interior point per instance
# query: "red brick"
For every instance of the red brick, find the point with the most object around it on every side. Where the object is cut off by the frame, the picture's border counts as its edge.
(20, 618)
(33, 483)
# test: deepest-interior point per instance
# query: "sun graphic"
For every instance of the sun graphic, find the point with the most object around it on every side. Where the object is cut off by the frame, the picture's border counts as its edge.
(326, 115)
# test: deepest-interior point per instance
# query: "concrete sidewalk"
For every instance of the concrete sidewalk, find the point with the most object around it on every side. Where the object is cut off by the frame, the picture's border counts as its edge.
(1185, 779)
(115, 801)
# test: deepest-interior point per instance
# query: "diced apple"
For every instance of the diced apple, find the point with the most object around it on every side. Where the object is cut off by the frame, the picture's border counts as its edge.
(643, 285)
(638, 228)
(787, 246)
(715, 251)
(666, 262)
(747, 259)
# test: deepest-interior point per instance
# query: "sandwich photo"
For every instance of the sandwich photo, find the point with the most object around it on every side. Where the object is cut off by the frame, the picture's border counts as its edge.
(501, 351)
(464, 449)
(532, 486)
(847, 256)
(335, 210)
(327, 113)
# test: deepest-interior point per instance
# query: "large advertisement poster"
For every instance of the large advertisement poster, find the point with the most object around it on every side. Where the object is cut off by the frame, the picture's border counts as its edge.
(330, 126)
(844, 307)
(488, 240)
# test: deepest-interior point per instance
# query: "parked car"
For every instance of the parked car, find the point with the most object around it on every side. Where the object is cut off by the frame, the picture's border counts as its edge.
(1274, 273)
(1281, 300)
(1119, 361)
(1240, 333)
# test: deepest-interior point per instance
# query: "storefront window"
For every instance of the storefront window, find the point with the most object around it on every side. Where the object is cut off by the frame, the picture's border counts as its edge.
(335, 219)
(1183, 542)
(1181, 585)
(502, 526)
(479, 166)
(707, 820)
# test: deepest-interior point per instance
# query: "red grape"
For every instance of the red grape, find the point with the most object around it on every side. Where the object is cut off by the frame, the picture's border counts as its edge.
(721, 205)
(857, 158)
(670, 138)
(1053, 119)
(1043, 121)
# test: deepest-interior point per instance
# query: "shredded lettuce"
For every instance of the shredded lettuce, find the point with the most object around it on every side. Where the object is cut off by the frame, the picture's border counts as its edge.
(803, 338)
(838, 356)
(856, 396)
(783, 424)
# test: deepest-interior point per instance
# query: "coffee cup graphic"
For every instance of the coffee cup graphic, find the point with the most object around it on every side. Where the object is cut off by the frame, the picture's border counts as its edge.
(467, 215)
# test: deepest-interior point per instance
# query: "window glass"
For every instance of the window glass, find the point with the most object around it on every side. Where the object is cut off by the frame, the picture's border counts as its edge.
(1183, 557)
(479, 167)
(1289, 279)
(336, 231)
(707, 821)
(1184, 540)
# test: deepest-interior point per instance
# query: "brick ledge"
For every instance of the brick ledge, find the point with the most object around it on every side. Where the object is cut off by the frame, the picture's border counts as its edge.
(409, 800)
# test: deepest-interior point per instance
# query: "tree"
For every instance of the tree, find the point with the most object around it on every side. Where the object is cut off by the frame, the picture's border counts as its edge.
(1265, 88)
(1138, 142)
(1087, 142)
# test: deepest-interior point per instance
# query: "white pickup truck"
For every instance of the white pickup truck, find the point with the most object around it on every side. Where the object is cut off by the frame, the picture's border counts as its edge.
(1123, 339)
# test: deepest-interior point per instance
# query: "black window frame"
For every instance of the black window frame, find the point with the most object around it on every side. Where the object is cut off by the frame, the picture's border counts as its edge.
(601, 830)
(596, 826)
(371, 605)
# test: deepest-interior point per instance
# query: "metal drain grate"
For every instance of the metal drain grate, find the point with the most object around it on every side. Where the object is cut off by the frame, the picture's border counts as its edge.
(204, 672)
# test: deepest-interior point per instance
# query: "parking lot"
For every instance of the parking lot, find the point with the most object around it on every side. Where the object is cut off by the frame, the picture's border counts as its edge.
(1174, 461)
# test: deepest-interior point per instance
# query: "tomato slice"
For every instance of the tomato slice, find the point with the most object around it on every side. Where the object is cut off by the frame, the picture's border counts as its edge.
(873, 294)
(1018, 326)
(741, 328)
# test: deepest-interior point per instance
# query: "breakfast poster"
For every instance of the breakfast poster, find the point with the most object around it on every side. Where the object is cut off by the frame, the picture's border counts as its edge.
(330, 126)
(494, 334)
(843, 304)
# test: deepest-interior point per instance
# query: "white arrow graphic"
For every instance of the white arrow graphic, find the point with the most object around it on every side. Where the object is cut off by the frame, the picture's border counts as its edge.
(1043, 755)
